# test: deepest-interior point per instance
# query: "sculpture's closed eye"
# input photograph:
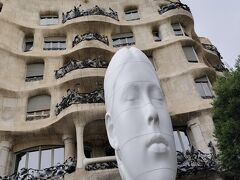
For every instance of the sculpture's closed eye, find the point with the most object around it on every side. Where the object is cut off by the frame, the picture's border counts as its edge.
(131, 93)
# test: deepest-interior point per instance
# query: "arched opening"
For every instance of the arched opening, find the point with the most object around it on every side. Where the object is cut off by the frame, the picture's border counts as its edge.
(95, 140)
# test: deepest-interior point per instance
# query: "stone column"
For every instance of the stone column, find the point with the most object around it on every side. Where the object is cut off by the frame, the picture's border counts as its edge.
(194, 126)
(165, 30)
(69, 146)
(5, 147)
(80, 147)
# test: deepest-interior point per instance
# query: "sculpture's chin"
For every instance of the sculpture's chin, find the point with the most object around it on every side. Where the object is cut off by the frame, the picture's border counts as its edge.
(158, 174)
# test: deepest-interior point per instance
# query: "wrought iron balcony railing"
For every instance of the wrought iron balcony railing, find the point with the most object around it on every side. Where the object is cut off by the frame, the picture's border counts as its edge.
(77, 12)
(190, 162)
(78, 64)
(101, 165)
(89, 37)
(173, 5)
(34, 78)
(212, 48)
(35, 115)
(220, 67)
(74, 97)
(55, 172)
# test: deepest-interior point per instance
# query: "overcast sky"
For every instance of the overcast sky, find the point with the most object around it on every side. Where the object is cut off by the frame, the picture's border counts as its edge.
(219, 21)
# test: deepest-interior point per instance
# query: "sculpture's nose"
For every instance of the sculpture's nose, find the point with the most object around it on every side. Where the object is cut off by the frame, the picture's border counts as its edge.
(152, 116)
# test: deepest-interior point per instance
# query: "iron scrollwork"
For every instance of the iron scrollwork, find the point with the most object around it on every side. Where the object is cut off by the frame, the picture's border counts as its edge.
(77, 12)
(194, 161)
(212, 48)
(74, 97)
(55, 172)
(90, 36)
(173, 5)
(78, 64)
(101, 166)
(188, 163)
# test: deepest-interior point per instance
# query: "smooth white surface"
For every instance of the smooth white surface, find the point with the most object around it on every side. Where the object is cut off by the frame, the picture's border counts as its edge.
(137, 121)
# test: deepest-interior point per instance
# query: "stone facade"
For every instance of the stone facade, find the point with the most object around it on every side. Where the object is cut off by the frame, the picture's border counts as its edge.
(46, 34)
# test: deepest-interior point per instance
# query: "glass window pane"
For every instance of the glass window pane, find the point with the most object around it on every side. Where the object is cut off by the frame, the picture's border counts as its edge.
(207, 90)
(46, 45)
(54, 45)
(177, 141)
(33, 160)
(58, 155)
(178, 32)
(190, 54)
(185, 141)
(21, 161)
(123, 40)
(62, 45)
(45, 159)
(130, 40)
(55, 20)
(200, 89)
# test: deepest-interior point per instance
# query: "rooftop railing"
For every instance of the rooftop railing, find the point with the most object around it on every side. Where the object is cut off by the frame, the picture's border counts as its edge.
(74, 97)
(90, 36)
(77, 12)
(78, 64)
(173, 5)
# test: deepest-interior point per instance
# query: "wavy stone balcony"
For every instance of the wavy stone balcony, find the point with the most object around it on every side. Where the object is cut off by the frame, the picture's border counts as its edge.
(78, 64)
(54, 172)
(89, 37)
(212, 48)
(74, 97)
(173, 5)
(77, 12)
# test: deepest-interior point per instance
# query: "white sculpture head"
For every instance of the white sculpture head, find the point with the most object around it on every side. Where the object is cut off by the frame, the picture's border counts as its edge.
(137, 121)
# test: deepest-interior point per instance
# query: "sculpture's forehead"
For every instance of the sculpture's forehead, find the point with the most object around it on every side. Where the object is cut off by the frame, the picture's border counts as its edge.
(136, 72)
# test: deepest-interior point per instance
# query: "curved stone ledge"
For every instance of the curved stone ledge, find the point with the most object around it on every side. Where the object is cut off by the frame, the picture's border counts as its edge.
(71, 76)
(85, 111)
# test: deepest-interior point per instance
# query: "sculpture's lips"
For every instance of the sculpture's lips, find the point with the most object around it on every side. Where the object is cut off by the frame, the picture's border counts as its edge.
(157, 144)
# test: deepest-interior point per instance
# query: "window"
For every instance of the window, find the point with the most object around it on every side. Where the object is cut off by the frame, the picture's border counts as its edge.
(46, 20)
(38, 107)
(190, 54)
(156, 36)
(181, 139)
(132, 15)
(203, 87)
(34, 72)
(39, 157)
(178, 29)
(28, 44)
(54, 43)
(125, 39)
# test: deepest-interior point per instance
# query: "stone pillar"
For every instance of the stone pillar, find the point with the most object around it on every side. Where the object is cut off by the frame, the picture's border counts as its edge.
(80, 147)
(194, 126)
(69, 146)
(165, 30)
(5, 147)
